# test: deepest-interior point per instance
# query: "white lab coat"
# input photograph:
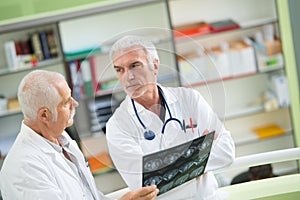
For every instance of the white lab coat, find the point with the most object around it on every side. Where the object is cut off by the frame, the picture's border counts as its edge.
(33, 169)
(127, 144)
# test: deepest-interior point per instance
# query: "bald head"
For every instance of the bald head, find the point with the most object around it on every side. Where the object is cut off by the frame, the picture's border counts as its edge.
(37, 90)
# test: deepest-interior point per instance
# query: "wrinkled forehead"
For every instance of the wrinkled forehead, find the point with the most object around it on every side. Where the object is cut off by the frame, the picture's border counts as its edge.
(127, 54)
(62, 87)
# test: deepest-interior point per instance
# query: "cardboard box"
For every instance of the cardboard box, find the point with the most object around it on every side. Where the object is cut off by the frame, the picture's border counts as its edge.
(268, 63)
(238, 59)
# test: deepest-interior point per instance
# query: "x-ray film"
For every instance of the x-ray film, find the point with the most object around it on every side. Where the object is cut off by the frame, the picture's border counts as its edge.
(172, 167)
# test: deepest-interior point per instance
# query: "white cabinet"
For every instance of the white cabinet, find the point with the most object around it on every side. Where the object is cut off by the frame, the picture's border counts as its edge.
(244, 100)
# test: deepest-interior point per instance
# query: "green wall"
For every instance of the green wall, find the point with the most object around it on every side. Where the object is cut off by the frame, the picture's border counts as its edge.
(290, 62)
(19, 8)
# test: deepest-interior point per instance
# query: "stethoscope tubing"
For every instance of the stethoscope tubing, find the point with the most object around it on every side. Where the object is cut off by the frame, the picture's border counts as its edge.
(164, 124)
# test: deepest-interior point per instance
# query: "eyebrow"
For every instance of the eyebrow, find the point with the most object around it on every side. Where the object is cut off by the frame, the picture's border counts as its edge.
(120, 67)
(117, 67)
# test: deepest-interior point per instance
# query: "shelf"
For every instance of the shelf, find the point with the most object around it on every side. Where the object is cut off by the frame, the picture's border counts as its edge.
(258, 22)
(243, 26)
(108, 91)
(116, 89)
(251, 137)
(244, 112)
(86, 53)
(44, 63)
(104, 48)
(10, 112)
(277, 68)
(6, 144)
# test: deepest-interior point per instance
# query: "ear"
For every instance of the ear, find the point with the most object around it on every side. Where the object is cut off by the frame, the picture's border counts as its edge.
(156, 66)
(44, 115)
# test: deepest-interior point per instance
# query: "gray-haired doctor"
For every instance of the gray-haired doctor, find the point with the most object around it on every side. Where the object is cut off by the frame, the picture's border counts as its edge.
(148, 120)
(44, 162)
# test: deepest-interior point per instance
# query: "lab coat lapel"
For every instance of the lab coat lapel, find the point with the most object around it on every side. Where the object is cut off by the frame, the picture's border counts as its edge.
(173, 134)
(85, 169)
(62, 164)
(46, 149)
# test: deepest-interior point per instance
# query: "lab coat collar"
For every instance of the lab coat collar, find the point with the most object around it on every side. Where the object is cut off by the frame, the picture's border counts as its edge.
(37, 139)
(169, 97)
(39, 142)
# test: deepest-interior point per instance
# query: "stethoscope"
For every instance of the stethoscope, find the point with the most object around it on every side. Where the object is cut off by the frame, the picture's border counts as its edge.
(149, 134)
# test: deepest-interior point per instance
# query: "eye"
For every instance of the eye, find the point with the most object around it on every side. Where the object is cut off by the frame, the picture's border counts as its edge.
(119, 70)
(68, 103)
(137, 64)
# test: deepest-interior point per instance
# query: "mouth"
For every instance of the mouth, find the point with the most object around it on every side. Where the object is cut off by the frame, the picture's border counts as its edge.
(72, 114)
(129, 87)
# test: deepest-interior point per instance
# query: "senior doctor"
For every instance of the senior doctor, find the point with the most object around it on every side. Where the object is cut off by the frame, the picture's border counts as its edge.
(150, 119)
(44, 162)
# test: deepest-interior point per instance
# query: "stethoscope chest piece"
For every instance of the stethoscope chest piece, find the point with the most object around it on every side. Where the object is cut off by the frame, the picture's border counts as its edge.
(149, 135)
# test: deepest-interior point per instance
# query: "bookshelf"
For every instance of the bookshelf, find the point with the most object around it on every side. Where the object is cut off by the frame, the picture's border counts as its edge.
(94, 44)
(235, 98)
(19, 59)
(91, 45)
(239, 99)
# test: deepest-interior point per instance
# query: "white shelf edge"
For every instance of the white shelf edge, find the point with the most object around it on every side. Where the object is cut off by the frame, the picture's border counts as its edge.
(10, 112)
(41, 64)
(67, 14)
(244, 112)
(243, 25)
(257, 22)
(251, 137)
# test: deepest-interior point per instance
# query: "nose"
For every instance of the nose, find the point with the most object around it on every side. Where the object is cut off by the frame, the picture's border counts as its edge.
(74, 103)
(129, 74)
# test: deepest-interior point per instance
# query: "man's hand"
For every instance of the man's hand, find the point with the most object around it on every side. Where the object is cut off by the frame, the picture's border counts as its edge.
(145, 193)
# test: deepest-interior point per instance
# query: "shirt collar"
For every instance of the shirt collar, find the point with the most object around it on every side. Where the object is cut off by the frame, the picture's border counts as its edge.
(62, 141)
(169, 97)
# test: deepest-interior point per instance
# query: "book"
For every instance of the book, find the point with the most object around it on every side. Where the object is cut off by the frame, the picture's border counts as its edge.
(193, 29)
(36, 46)
(44, 45)
(52, 43)
(223, 25)
(75, 80)
(93, 63)
(267, 131)
(87, 79)
(24, 54)
(11, 54)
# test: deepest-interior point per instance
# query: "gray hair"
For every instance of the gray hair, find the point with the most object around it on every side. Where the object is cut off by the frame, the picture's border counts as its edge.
(37, 90)
(129, 41)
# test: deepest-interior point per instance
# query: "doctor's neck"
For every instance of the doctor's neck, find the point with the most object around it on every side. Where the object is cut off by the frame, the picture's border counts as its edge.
(41, 130)
(151, 101)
